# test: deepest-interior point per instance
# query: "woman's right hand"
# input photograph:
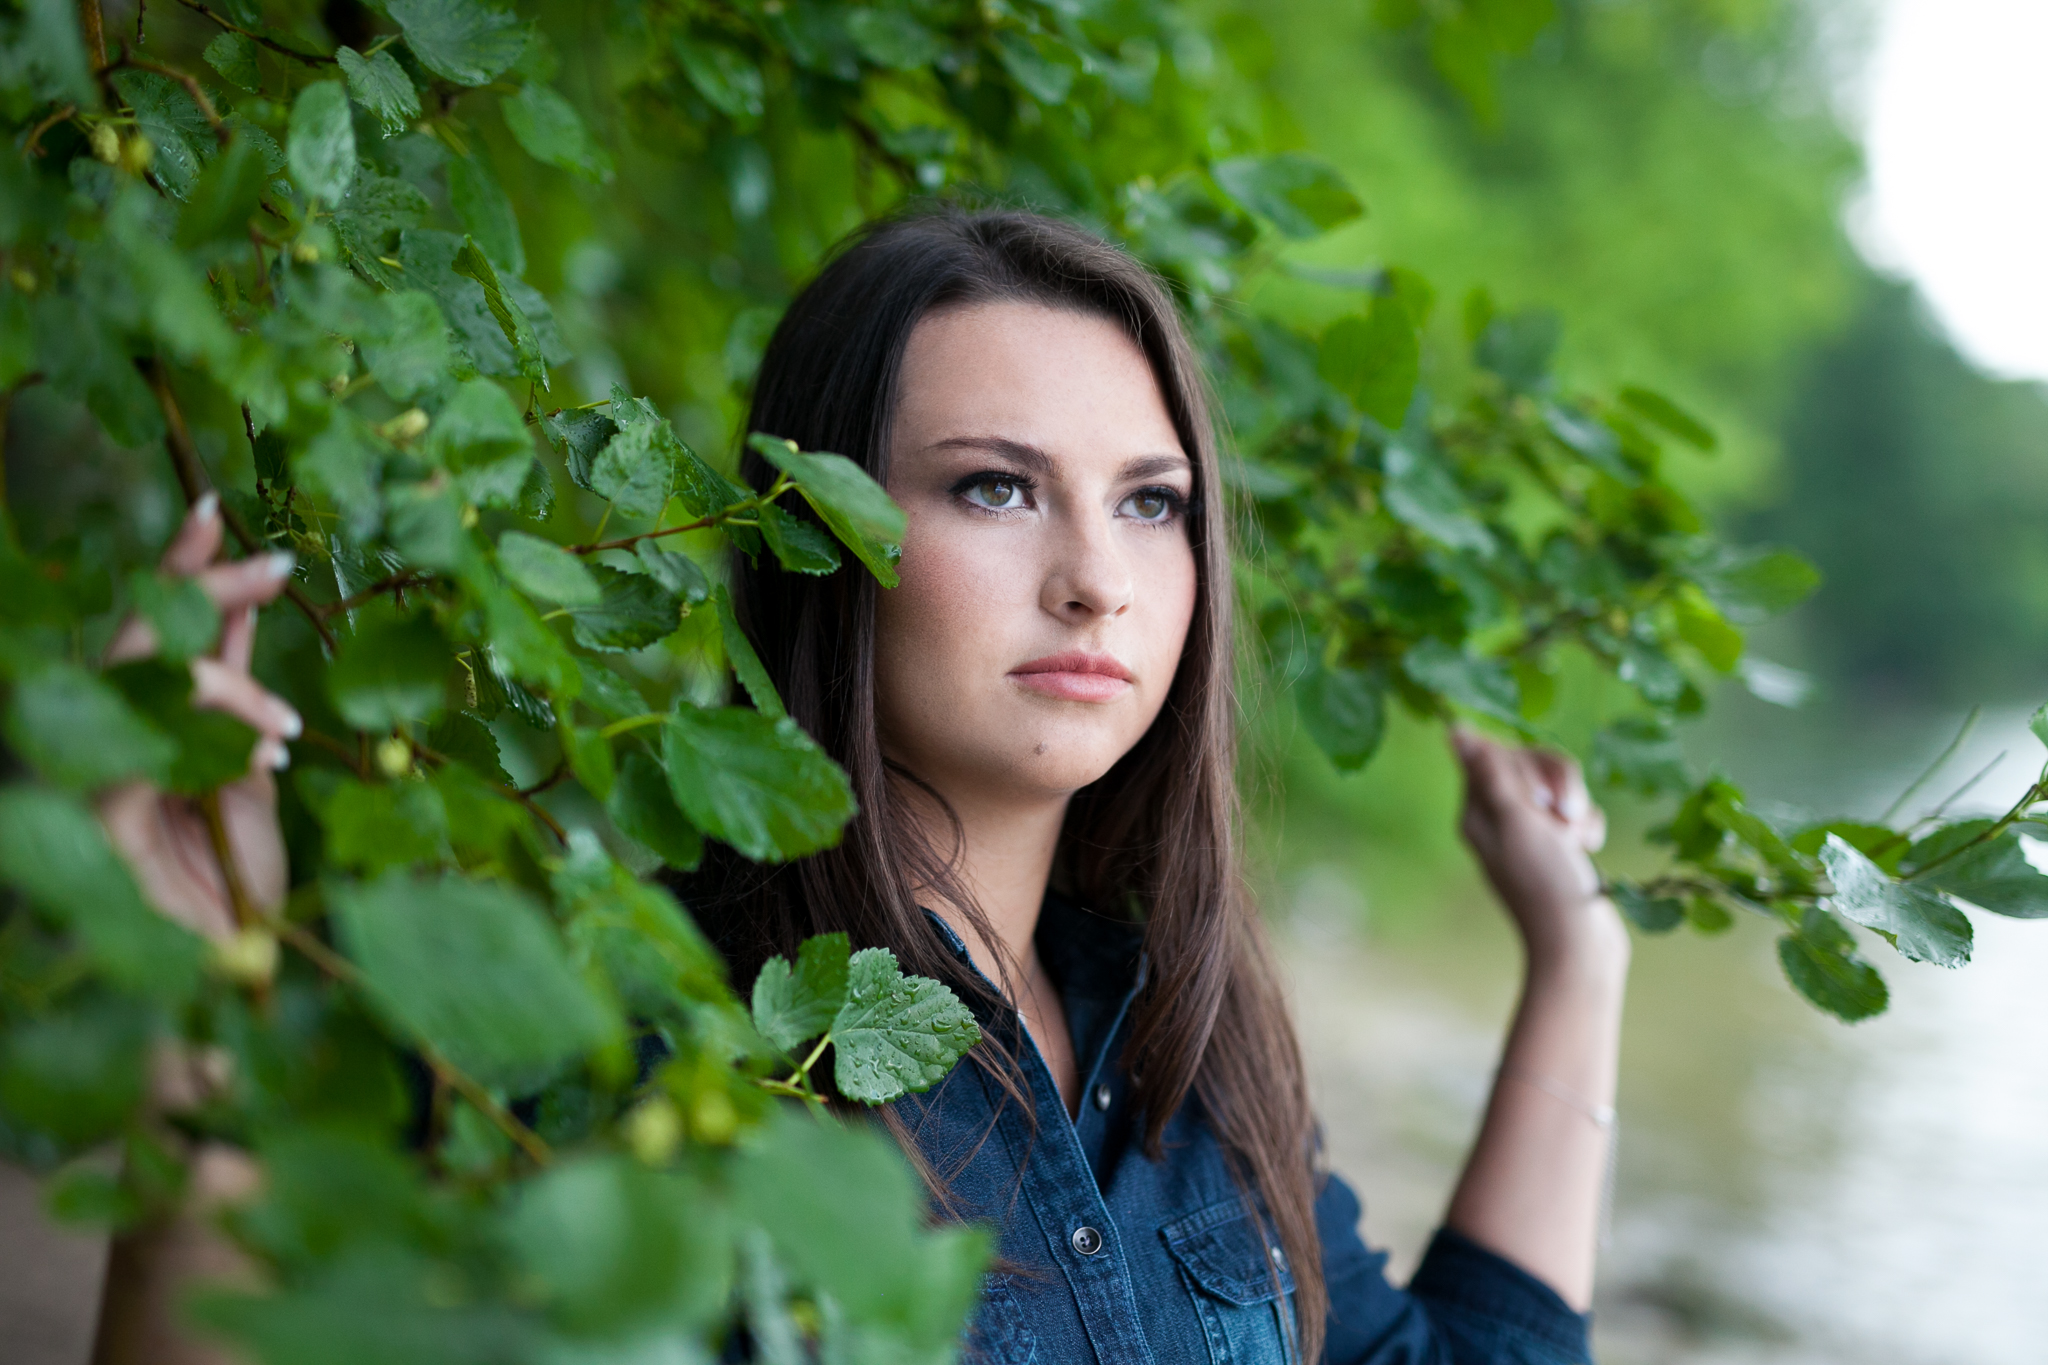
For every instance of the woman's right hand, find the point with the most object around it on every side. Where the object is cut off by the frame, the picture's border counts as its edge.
(165, 838)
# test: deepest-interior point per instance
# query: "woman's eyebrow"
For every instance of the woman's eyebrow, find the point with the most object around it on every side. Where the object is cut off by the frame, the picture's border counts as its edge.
(1019, 452)
(1152, 466)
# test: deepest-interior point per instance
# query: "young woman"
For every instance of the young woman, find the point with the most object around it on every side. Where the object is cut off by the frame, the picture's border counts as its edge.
(1038, 723)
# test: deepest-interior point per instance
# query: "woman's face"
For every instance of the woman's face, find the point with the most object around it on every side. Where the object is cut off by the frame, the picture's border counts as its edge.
(1048, 580)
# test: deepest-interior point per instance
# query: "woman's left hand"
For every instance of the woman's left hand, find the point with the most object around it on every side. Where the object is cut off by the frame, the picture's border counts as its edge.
(1531, 822)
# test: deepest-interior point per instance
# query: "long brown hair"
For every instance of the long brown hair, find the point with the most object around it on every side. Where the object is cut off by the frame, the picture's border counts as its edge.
(1154, 839)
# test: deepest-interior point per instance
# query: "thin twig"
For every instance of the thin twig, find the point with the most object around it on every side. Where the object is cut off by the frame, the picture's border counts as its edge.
(487, 1104)
(346, 972)
(334, 746)
(624, 542)
(553, 779)
(221, 132)
(33, 146)
(1996, 828)
(310, 58)
(95, 32)
(397, 582)
(224, 854)
(533, 807)
(1969, 724)
(192, 478)
(141, 12)
(1960, 792)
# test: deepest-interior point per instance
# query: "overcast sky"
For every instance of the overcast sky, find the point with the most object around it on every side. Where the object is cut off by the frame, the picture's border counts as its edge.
(1956, 121)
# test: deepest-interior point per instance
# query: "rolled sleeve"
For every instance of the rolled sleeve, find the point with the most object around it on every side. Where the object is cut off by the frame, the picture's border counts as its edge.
(1465, 1306)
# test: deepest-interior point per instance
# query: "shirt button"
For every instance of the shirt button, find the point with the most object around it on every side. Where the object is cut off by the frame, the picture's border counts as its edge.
(1102, 1098)
(1279, 1258)
(1087, 1241)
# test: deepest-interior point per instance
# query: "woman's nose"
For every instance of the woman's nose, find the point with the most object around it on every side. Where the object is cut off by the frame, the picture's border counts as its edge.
(1088, 575)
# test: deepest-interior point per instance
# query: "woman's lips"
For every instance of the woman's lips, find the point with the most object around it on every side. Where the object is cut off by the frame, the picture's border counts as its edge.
(1075, 676)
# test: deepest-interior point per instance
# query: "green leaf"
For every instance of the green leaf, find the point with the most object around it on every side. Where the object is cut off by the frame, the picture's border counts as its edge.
(374, 826)
(896, 1034)
(1748, 586)
(612, 1246)
(892, 39)
(213, 748)
(798, 545)
(1344, 711)
(676, 572)
(845, 1215)
(1420, 493)
(1299, 194)
(381, 86)
(746, 664)
(1590, 439)
(755, 782)
(369, 221)
(850, 503)
(792, 1007)
(1920, 923)
(657, 959)
(632, 612)
(636, 469)
(413, 358)
(727, 80)
(1639, 753)
(1651, 914)
(589, 756)
(1993, 875)
(474, 194)
(1373, 361)
(181, 613)
(471, 263)
(481, 436)
(1468, 680)
(321, 148)
(521, 642)
(473, 970)
(2039, 724)
(1655, 407)
(645, 810)
(234, 56)
(1519, 347)
(80, 733)
(543, 569)
(166, 115)
(374, 1305)
(579, 435)
(551, 130)
(225, 196)
(465, 41)
(1043, 77)
(392, 670)
(1821, 962)
(54, 851)
(75, 1076)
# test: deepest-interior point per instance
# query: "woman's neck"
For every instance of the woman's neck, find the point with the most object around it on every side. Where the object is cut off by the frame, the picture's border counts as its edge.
(1004, 863)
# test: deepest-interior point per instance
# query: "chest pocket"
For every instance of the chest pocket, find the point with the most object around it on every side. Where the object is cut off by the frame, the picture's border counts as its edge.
(1230, 1270)
(998, 1335)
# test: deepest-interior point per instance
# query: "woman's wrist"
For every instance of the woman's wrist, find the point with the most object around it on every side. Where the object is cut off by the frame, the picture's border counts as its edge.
(1585, 948)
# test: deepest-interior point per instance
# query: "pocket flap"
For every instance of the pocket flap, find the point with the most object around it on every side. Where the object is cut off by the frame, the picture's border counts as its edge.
(1228, 1256)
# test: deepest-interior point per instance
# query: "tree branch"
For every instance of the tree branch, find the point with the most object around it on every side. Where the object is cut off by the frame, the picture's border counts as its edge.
(192, 478)
(221, 133)
(309, 58)
(33, 145)
(397, 582)
(95, 32)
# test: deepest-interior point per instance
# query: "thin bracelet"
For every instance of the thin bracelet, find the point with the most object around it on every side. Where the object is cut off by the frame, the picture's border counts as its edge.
(1605, 1119)
(1602, 1115)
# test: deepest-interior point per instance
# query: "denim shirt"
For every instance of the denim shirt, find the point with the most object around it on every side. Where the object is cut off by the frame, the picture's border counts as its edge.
(1107, 1255)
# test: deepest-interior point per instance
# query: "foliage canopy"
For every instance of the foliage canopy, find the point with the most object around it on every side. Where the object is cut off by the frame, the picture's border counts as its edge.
(507, 1103)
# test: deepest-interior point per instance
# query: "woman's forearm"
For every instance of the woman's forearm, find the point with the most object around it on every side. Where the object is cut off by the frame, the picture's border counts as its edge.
(1532, 1189)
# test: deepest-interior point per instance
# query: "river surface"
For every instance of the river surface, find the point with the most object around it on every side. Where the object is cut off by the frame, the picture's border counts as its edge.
(1792, 1191)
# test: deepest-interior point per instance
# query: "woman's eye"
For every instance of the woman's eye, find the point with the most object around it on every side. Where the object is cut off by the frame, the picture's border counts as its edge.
(1153, 504)
(999, 495)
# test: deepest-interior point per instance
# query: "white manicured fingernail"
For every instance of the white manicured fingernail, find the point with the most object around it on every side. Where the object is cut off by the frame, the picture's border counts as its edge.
(208, 504)
(293, 725)
(279, 562)
(273, 755)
